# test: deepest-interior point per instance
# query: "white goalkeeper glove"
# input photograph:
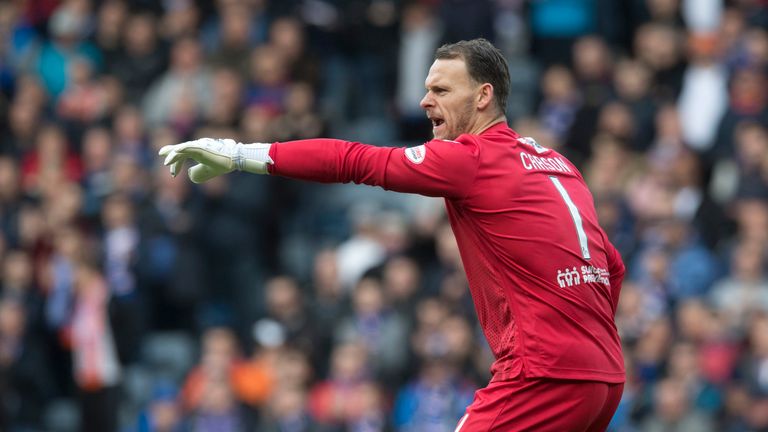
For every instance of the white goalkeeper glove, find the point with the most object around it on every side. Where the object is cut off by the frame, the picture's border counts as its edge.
(216, 157)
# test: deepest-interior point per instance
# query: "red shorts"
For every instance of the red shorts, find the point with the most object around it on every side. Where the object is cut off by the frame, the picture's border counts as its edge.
(542, 405)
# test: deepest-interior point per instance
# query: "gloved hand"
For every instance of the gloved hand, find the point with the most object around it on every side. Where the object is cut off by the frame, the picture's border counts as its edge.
(216, 157)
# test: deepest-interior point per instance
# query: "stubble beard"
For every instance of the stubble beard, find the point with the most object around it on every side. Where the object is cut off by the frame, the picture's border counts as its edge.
(463, 121)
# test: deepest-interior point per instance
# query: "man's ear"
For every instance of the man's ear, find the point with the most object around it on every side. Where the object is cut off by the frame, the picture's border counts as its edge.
(485, 96)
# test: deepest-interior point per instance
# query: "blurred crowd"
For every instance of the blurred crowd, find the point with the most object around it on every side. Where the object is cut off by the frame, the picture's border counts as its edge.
(133, 301)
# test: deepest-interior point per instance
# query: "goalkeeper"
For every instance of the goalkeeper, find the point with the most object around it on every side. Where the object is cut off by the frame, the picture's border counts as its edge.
(544, 278)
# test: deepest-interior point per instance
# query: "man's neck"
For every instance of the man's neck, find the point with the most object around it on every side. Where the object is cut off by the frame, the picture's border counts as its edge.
(483, 124)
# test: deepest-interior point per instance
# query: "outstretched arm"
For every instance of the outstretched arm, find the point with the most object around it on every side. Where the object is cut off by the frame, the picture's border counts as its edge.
(437, 168)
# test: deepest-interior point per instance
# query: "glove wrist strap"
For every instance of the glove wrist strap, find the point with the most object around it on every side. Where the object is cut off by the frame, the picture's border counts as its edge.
(252, 158)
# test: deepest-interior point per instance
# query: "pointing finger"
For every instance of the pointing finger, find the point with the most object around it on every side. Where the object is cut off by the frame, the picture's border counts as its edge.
(166, 149)
(171, 158)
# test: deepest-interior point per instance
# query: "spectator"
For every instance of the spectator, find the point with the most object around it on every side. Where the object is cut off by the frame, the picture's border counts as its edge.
(267, 79)
(744, 292)
(110, 25)
(560, 101)
(31, 230)
(24, 115)
(227, 90)
(97, 184)
(427, 336)
(285, 304)
(684, 365)
(68, 247)
(62, 207)
(673, 408)
(329, 302)
(219, 409)
(751, 214)
(373, 324)
(632, 86)
(219, 349)
(234, 39)
(363, 250)
(163, 413)
(180, 19)
(288, 411)
(756, 418)
(747, 102)
(83, 101)
(51, 162)
(288, 36)
(751, 141)
(232, 245)
(19, 37)
(68, 26)
(299, 120)
(401, 279)
(25, 383)
(755, 47)
(659, 47)
(121, 242)
(696, 322)
(420, 33)
(348, 397)
(651, 351)
(639, 309)
(704, 94)
(169, 261)
(143, 58)
(329, 295)
(615, 120)
(434, 400)
(179, 96)
(97, 369)
(130, 134)
(292, 369)
(756, 357)
(592, 69)
(18, 284)
(128, 177)
(612, 167)
(665, 11)
(10, 192)
(690, 269)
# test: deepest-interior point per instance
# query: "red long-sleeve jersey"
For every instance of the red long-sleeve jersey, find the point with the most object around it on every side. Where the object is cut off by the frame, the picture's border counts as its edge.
(544, 278)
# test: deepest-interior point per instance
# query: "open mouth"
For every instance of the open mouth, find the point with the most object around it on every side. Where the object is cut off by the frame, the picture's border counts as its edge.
(436, 122)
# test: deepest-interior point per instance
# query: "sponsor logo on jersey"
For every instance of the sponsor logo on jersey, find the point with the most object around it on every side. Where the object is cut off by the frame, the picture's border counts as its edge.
(532, 142)
(570, 277)
(416, 154)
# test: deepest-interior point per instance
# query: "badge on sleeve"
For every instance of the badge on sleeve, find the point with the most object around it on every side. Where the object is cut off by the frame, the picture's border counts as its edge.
(416, 154)
(532, 142)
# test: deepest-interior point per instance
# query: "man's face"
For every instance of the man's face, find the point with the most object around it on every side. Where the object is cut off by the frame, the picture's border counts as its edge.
(450, 99)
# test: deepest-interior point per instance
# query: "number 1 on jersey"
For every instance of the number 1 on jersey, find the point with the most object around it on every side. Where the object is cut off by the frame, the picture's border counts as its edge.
(575, 215)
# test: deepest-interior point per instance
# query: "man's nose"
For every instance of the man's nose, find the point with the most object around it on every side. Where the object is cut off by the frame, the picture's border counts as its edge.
(426, 101)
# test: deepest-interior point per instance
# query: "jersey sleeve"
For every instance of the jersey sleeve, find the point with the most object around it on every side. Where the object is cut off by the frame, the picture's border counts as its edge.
(437, 168)
(616, 270)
